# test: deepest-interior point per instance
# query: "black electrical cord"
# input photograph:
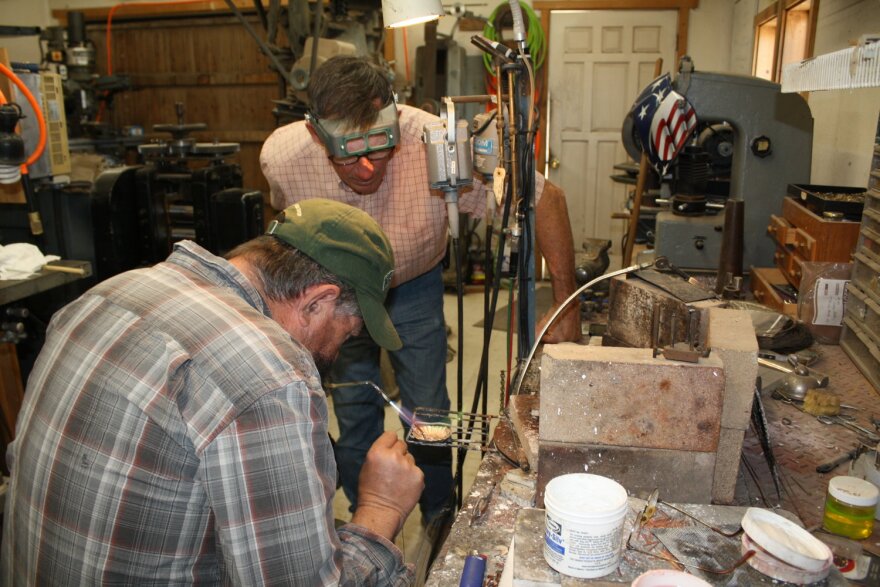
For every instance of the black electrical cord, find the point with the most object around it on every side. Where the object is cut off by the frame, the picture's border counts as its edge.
(525, 164)
(481, 389)
(459, 372)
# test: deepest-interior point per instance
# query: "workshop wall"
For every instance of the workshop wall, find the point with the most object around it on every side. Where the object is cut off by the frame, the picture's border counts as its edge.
(845, 120)
(235, 104)
(208, 63)
(24, 13)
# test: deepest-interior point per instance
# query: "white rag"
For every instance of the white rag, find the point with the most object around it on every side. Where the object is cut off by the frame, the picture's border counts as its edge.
(21, 260)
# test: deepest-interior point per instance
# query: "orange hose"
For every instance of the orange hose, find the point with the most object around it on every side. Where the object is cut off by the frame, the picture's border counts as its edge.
(38, 112)
(2, 98)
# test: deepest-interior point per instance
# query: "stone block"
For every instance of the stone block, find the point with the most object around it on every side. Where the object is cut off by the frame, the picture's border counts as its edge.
(681, 476)
(530, 569)
(624, 397)
(523, 410)
(631, 313)
(731, 336)
(727, 460)
(519, 487)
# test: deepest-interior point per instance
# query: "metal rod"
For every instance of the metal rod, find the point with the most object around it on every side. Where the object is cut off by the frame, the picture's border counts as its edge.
(263, 46)
(561, 307)
(641, 181)
(479, 98)
(403, 416)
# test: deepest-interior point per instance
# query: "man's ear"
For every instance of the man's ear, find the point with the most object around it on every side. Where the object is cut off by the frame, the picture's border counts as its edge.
(319, 299)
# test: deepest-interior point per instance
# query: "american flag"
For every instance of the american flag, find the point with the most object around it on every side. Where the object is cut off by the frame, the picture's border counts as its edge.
(664, 120)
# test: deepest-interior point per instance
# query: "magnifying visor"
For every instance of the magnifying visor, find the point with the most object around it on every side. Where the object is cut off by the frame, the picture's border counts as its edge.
(346, 146)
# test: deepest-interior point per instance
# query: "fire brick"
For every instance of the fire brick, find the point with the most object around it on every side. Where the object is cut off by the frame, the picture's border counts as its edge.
(731, 336)
(624, 397)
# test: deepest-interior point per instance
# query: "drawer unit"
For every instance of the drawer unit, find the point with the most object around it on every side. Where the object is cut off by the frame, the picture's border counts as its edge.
(789, 263)
(871, 220)
(860, 338)
(865, 310)
(824, 240)
(863, 350)
(781, 231)
(872, 200)
(763, 280)
(866, 273)
(869, 241)
(874, 176)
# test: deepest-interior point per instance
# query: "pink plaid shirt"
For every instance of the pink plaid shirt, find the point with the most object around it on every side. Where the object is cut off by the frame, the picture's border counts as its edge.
(412, 215)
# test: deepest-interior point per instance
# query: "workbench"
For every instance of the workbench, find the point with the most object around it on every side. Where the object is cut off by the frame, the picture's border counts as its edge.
(799, 442)
(16, 290)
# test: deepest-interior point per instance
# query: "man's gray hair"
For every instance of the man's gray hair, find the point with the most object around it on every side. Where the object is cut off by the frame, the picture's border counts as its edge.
(285, 272)
(349, 88)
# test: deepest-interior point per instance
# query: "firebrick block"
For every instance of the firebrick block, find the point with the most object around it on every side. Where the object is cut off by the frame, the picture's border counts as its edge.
(624, 397)
(727, 461)
(681, 476)
(631, 314)
(731, 336)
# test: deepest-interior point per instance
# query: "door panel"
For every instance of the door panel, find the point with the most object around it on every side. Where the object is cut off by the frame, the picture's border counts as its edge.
(599, 62)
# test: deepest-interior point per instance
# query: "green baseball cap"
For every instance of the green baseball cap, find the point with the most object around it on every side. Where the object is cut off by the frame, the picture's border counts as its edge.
(351, 245)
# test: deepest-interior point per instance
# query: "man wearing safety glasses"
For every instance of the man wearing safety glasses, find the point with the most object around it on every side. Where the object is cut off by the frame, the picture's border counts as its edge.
(359, 147)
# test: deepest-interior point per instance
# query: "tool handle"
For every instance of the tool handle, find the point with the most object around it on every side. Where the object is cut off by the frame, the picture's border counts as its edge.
(474, 571)
(65, 269)
(830, 466)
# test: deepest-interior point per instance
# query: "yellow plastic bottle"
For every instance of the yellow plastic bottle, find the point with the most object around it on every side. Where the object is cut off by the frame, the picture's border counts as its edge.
(849, 507)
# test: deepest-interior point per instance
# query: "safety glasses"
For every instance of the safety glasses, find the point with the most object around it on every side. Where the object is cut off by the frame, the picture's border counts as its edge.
(346, 146)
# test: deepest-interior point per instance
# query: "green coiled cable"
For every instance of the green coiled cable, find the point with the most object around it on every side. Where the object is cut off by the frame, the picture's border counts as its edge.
(535, 41)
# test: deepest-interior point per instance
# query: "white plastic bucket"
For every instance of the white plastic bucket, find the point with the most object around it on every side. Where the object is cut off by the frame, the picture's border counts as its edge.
(584, 524)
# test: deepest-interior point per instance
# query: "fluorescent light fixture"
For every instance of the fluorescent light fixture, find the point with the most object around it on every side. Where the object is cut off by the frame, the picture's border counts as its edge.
(403, 13)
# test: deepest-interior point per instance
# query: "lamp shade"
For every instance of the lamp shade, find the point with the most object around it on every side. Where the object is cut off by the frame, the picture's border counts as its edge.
(401, 13)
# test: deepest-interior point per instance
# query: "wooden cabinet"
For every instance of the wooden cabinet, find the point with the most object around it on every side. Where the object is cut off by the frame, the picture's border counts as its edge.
(801, 235)
(764, 282)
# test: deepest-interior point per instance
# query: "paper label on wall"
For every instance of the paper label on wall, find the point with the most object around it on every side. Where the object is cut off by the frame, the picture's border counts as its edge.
(829, 300)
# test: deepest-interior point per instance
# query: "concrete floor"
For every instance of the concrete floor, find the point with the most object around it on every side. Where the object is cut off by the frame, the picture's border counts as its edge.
(411, 539)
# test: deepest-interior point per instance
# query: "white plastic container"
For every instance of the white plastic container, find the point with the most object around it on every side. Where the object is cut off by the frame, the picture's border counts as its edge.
(584, 524)
(668, 578)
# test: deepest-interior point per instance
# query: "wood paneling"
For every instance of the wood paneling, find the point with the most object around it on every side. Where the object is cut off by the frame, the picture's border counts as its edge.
(210, 64)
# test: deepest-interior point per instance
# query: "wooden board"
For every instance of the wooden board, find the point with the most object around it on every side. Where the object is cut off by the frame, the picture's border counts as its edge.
(762, 281)
(211, 65)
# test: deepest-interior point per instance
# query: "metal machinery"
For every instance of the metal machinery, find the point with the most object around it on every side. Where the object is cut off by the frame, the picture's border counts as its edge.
(74, 59)
(133, 215)
(772, 147)
(188, 191)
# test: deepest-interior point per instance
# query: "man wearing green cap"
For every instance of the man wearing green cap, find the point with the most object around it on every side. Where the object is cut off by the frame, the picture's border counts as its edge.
(174, 429)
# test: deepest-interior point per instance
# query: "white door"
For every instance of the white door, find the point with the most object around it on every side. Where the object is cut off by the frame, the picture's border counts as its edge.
(600, 60)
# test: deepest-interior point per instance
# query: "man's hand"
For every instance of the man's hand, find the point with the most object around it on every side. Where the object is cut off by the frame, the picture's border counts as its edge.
(389, 486)
(566, 328)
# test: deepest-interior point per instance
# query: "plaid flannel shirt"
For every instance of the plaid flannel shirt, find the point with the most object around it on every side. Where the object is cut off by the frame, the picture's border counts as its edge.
(173, 434)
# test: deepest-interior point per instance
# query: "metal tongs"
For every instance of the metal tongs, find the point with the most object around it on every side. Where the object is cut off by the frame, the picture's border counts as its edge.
(436, 427)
